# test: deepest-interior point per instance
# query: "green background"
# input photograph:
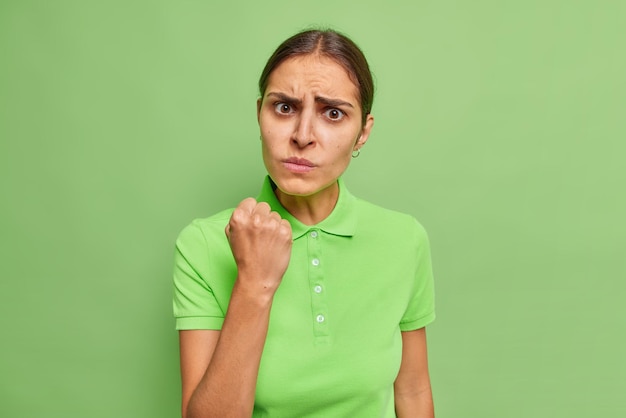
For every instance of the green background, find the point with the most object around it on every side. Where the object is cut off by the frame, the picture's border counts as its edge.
(500, 125)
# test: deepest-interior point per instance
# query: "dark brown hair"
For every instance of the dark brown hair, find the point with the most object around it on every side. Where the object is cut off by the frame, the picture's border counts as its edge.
(333, 45)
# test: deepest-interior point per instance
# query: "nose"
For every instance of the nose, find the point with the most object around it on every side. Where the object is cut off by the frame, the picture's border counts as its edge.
(303, 134)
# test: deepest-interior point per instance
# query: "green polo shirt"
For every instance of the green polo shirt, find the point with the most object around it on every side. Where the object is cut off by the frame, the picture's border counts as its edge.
(354, 282)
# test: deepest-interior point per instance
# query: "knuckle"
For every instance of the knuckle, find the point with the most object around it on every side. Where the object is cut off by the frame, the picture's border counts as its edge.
(262, 208)
(257, 219)
(285, 229)
(236, 217)
(247, 204)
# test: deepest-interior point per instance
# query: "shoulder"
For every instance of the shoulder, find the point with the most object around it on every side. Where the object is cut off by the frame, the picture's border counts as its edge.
(205, 229)
(372, 216)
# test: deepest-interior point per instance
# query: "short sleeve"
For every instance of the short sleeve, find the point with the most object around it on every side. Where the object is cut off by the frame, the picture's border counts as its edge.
(421, 309)
(195, 303)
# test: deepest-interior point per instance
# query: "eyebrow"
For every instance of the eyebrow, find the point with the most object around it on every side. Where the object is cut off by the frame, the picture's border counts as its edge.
(319, 99)
(332, 102)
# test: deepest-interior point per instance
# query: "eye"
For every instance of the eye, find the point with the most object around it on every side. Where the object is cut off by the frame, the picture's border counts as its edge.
(334, 114)
(283, 108)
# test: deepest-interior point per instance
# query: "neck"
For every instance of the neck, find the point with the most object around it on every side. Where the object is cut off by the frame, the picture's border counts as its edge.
(313, 209)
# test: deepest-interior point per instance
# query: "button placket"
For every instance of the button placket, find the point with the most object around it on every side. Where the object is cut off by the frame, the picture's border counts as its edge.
(319, 303)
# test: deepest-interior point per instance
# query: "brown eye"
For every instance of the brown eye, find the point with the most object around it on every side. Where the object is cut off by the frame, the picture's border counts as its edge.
(283, 108)
(334, 114)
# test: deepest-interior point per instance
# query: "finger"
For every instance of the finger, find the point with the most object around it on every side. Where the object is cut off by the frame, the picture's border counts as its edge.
(247, 205)
(227, 231)
(284, 224)
(243, 210)
(262, 209)
(275, 216)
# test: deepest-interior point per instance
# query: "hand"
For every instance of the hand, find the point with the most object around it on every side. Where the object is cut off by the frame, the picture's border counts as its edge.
(260, 241)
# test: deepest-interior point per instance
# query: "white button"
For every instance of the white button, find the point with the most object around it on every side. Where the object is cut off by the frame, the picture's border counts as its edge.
(315, 262)
(313, 234)
(318, 289)
(320, 318)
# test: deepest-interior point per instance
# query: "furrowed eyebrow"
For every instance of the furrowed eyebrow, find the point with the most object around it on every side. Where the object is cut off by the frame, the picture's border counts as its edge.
(332, 102)
(285, 98)
(319, 99)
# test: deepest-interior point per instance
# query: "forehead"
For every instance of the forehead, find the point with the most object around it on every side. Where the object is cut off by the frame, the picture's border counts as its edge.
(315, 74)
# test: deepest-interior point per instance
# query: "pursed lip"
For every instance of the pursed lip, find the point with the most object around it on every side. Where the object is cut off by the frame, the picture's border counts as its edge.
(298, 165)
(299, 161)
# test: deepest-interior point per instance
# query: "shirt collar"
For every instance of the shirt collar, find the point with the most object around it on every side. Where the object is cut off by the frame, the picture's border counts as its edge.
(341, 221)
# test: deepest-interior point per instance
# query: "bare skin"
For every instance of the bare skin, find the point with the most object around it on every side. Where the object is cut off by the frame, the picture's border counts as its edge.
(412, 392)
(310, 112)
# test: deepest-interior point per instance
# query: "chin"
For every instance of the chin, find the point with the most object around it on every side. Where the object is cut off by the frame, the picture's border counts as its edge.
(296, 187)
(300, 186)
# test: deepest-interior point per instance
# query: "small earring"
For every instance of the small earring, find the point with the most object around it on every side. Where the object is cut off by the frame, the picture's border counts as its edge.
(358, 152)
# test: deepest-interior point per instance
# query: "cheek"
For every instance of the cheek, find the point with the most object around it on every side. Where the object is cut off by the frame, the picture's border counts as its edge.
(265, 123)
(265, 128)
(342, 155)
(266, 148)
(274, 132)
(268, 155)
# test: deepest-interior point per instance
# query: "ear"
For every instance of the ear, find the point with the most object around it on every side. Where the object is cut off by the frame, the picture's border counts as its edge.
(258, 109)
(365, 132)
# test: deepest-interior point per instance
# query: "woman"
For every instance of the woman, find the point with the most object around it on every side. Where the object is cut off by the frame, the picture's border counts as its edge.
(312, 303)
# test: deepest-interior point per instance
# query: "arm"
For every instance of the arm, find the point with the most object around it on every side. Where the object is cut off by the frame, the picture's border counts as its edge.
(196, 350)
(219, 368)
(412, 391)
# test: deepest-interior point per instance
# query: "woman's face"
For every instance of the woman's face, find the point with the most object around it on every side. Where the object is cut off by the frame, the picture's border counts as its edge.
(310, 121)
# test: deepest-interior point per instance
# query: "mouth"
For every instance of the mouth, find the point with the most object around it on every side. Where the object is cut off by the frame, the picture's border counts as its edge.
(298, 165)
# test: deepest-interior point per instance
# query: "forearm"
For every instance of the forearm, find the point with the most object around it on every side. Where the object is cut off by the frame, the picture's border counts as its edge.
(228, 386)
(418, 404)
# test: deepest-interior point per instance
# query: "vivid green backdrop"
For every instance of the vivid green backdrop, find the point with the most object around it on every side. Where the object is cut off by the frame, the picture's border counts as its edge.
(499, 125)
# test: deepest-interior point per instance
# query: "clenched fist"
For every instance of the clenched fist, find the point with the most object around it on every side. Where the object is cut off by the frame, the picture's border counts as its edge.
(261, 244)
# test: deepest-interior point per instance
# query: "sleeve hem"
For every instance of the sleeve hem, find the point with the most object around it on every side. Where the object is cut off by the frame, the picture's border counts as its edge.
(199, 322)
(417, 323)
